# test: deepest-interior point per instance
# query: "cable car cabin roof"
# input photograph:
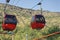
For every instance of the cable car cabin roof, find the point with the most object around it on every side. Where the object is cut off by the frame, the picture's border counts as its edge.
(7, 1)
(38, 16)
(9, 16)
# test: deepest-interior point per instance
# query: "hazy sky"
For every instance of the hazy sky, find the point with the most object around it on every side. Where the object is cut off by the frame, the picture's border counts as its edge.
(51, 5)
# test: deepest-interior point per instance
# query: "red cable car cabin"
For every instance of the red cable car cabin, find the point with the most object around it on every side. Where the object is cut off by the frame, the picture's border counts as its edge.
(38, 22)
(9, 23)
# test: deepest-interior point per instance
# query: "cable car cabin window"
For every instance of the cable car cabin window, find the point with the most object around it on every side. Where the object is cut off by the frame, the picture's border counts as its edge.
(10, 19)
(40, 19)
(33, 19)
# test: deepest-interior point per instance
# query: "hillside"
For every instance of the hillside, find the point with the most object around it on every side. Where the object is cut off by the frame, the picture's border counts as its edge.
(24, 16)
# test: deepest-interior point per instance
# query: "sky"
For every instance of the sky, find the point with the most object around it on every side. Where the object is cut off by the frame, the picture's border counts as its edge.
(50, 5)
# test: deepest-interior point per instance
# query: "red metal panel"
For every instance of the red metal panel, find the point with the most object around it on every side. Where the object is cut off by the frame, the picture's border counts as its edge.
(36, 25)
(8, 27)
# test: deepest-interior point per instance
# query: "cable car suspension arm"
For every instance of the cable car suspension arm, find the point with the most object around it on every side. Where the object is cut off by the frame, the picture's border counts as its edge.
(7, 1)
